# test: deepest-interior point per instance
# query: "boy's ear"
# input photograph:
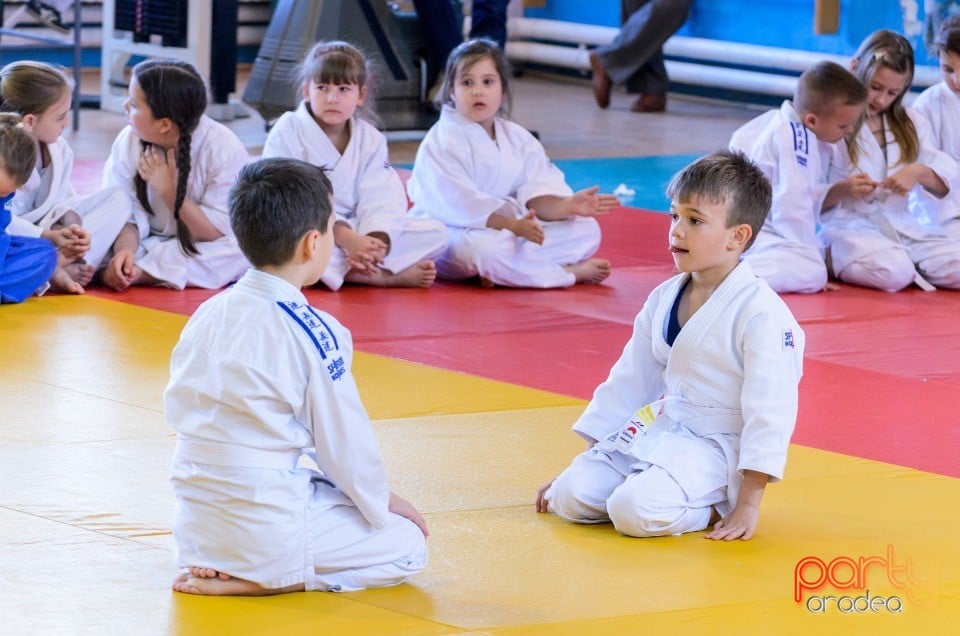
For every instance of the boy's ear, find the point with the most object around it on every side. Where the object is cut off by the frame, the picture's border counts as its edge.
(740, 237)
(810, 121)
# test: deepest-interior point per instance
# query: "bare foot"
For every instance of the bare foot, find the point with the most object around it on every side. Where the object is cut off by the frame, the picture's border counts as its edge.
(62, 282)
(421, 274)
(486, 283)
(831, 287)
(229, 586)
(592, 271)
(207, 573)
(80, 272)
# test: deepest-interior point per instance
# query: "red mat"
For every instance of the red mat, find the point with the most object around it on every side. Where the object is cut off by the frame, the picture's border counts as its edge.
(881, 369)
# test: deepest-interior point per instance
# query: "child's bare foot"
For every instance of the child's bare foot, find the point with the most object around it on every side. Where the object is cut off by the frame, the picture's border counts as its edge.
(62, 282)
(229, 586)
(486, 283)
(592, 271)
(207, 573)
(421, 274)
(80, 272)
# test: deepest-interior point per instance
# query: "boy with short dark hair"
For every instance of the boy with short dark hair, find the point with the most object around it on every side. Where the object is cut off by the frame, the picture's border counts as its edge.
(696, 415)
(792, 148)
(258, 379)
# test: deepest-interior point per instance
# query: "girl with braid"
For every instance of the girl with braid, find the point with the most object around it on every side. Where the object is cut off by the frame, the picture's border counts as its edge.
(178, 166)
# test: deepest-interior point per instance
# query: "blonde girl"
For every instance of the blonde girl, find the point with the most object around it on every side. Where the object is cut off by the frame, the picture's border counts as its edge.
(47, 205)
(377, 242)
(889, 173)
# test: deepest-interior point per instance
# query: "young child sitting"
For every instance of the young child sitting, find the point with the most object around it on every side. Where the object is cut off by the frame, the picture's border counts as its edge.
(792, 148)
(258, 379)
(511, 216)
(885, 233)
(377, 242)
(696, 415)
(26, 263)
(940, 105)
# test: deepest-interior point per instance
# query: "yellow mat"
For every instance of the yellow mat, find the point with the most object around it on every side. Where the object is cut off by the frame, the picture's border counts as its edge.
(85, 513)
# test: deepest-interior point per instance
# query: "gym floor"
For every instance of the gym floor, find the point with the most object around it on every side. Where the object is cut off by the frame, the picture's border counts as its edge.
(472, 393)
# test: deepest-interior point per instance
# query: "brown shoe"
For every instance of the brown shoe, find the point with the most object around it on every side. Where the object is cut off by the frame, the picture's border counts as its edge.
(650, 103)
(601, 82)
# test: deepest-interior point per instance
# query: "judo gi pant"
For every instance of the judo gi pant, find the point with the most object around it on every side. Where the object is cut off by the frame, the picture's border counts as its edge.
(503, 258)
(418, 240)
(787, 266)
(348, 554)
(639, 498)
(870, 258)
(218, 264)
(26, 263)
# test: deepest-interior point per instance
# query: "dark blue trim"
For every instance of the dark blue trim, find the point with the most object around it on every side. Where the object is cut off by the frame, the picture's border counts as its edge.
(309, 331)
(329, 330)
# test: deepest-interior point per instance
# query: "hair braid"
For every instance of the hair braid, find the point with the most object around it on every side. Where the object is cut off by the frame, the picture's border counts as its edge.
(183, 173)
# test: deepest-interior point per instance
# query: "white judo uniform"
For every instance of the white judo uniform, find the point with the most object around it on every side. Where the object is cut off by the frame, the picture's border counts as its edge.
(258, 379)
(888, 241)
(787, 253)
(941, 107)
(460, 176)
(48, 194)
(728, 392)
(216, 156)
(368, 194)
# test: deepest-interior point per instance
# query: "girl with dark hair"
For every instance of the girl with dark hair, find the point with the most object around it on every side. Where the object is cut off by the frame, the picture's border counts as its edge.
(178, 165)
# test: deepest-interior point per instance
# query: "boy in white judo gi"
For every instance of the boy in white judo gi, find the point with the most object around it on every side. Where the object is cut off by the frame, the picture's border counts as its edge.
(696, 415)
(258, 380)
(792, 148)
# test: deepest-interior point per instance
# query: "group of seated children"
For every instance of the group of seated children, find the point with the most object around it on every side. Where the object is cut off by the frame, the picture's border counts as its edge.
(864, 188)
(487, 201)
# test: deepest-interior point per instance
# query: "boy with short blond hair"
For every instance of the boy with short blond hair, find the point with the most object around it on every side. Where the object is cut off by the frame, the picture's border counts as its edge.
(695, 417)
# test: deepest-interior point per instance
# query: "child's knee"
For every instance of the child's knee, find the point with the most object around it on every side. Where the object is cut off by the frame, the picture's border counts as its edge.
(634, 514)
(571, 499)
(887, 270)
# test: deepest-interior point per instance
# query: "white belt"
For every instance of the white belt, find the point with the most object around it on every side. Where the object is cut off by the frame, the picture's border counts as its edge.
(705, 420)
(235, 455)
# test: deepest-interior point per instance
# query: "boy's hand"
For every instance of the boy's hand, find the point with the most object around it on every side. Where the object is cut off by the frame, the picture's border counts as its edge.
(860, 185)
(588, 202)
(72, 241)
(400, 506)
(119, 272)
(741, 524)
(529, 228)
(542, 504)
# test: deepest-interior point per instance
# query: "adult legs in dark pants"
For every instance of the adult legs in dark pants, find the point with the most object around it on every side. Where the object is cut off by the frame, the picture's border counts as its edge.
(488, 19)
(442, 31)
(635, 58)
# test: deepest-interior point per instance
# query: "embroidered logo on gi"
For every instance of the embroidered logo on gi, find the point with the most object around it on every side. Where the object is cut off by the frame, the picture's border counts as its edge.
(315, 327)
(787, 339)
(336, 369)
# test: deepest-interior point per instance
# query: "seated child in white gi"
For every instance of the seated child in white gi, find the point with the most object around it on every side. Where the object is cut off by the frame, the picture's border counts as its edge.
(940, 105)
(378, 243)
(792, 148)
(258, 379)
(26, 262)
(46, 205)
(177, 166)
(696, 415)
(512, 218)
(888, 235)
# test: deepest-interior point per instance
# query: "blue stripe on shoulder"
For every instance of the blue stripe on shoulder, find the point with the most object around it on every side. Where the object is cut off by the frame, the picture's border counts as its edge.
(336, 345)
(318, 332)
